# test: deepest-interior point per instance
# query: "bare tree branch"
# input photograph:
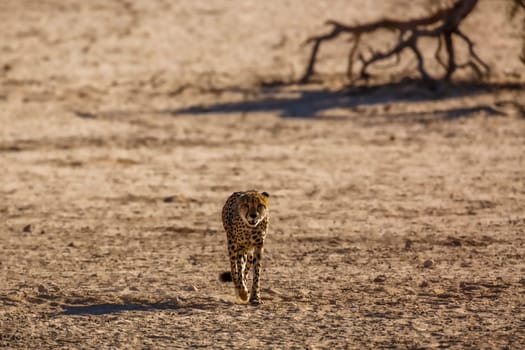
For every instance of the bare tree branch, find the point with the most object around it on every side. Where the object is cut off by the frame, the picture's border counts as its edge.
(443, 25)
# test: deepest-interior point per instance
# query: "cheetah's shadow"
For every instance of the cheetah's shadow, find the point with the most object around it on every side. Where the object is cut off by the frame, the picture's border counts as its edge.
(103, 308)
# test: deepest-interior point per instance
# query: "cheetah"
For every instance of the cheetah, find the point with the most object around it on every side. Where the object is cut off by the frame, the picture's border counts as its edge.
(245, 218)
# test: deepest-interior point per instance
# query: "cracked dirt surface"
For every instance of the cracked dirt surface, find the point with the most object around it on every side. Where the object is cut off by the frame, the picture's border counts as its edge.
(398, 212)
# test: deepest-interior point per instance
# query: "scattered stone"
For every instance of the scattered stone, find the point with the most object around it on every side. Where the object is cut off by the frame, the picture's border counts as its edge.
(409, 291)
(175, 301)
(428, 263)
(168, 199)
(42, 289)
(466, 264)
(27, 228)
(380, 279)
(469, 286)
(276, 292)
(86, 115)
(408, 244)
(453, 241)
(424, 284)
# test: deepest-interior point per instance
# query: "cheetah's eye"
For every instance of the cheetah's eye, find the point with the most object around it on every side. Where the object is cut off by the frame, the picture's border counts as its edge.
(245, 206)
(260, 207)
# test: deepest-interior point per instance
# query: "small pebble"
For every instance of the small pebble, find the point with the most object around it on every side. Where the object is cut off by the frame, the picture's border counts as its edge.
(428, 263)
(380, 279)
(169, 199)
(42, 289)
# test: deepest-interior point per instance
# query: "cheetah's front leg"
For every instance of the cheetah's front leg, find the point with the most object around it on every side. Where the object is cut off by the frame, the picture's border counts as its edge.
(249, 262)
(255, 296)
(240, 284)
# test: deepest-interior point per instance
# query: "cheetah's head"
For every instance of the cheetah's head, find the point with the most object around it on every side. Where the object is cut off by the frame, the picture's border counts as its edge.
(253, 207)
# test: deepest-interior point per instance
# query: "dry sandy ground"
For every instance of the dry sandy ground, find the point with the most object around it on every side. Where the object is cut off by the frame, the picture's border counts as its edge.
(398, 212)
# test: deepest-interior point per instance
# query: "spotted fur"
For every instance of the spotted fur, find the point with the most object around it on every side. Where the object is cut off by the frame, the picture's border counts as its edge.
(245, 218)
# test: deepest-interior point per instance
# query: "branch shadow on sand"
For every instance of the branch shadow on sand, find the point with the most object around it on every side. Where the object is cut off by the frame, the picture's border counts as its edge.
(315, 102)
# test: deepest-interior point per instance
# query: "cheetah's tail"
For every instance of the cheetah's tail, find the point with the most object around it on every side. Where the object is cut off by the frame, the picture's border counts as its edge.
(225, 276)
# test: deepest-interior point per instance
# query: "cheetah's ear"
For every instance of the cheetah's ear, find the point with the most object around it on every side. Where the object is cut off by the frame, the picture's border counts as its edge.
(265, 194)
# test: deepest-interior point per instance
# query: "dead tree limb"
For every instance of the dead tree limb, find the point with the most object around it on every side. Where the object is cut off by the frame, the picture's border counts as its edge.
(442, 26)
